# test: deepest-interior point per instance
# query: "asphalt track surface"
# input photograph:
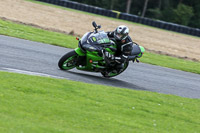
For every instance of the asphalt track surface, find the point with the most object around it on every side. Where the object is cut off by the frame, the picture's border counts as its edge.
(23, 56)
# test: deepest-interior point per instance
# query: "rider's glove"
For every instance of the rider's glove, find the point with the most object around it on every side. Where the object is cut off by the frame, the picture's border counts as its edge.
(108, 55)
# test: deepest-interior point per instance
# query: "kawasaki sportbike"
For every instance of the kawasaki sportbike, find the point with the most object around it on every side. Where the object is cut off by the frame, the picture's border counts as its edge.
(95, 57)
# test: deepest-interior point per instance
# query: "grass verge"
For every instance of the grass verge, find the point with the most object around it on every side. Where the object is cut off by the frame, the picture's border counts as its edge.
(37, 104)
(36, 34)
(59, 39)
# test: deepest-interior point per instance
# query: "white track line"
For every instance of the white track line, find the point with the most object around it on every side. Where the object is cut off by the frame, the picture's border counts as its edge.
(30, 73)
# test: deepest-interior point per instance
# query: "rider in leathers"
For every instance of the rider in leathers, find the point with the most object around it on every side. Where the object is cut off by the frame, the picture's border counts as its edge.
(124, 46)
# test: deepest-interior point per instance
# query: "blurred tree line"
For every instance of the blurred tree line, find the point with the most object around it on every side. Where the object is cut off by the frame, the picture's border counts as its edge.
(184, 12)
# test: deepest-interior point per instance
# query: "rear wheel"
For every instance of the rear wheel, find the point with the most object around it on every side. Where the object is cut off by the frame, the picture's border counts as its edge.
(68, 61)
(114, 73)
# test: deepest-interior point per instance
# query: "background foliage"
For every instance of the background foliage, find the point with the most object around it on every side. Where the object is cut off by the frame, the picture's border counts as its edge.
(184, 12)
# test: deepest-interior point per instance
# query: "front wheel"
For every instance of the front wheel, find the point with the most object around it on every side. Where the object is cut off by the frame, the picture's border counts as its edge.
(68, 61)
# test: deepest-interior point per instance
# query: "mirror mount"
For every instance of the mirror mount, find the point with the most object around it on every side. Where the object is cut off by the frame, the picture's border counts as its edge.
(95, 26)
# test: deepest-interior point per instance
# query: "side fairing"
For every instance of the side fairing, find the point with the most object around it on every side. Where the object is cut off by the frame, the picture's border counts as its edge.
(79, 52)
(85, 37)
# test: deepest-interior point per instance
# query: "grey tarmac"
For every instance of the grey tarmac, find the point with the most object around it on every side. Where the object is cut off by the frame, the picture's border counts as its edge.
(33, 57)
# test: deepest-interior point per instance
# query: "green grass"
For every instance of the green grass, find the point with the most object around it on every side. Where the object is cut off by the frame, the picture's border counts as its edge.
(59, 39)
(171, 62)
(35, 34)
(36, 104)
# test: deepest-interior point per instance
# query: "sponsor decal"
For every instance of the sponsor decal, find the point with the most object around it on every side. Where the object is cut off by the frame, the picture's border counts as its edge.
(94, 39)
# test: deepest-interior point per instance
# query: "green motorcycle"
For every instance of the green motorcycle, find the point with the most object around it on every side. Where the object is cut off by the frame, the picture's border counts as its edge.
(94, 58)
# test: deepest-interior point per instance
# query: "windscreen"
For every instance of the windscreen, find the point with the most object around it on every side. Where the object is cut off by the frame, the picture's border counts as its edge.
(99, 38)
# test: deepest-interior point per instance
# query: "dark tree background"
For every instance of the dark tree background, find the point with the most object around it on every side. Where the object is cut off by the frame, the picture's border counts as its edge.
(184, 12)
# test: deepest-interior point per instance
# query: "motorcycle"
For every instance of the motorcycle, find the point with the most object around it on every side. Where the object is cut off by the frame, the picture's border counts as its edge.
(99, 56)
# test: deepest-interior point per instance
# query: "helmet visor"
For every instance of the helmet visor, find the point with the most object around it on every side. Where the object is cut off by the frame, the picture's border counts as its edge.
(119, 35)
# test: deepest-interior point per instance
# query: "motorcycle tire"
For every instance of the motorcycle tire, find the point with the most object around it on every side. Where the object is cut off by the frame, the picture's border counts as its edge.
(68, 61)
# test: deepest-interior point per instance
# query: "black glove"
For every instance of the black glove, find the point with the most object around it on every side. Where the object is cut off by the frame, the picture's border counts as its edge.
(109, 56)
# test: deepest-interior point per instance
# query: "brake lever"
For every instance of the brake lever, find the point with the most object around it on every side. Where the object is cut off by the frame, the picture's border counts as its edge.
(113, 49)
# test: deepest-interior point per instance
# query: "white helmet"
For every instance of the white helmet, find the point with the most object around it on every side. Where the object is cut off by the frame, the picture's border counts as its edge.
(121, 32)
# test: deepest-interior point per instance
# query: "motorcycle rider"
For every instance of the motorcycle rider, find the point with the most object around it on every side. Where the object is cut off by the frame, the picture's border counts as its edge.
(120, 36)
(124, 47)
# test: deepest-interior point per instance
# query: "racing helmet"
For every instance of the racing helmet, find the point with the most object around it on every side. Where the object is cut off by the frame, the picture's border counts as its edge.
(121, 32)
